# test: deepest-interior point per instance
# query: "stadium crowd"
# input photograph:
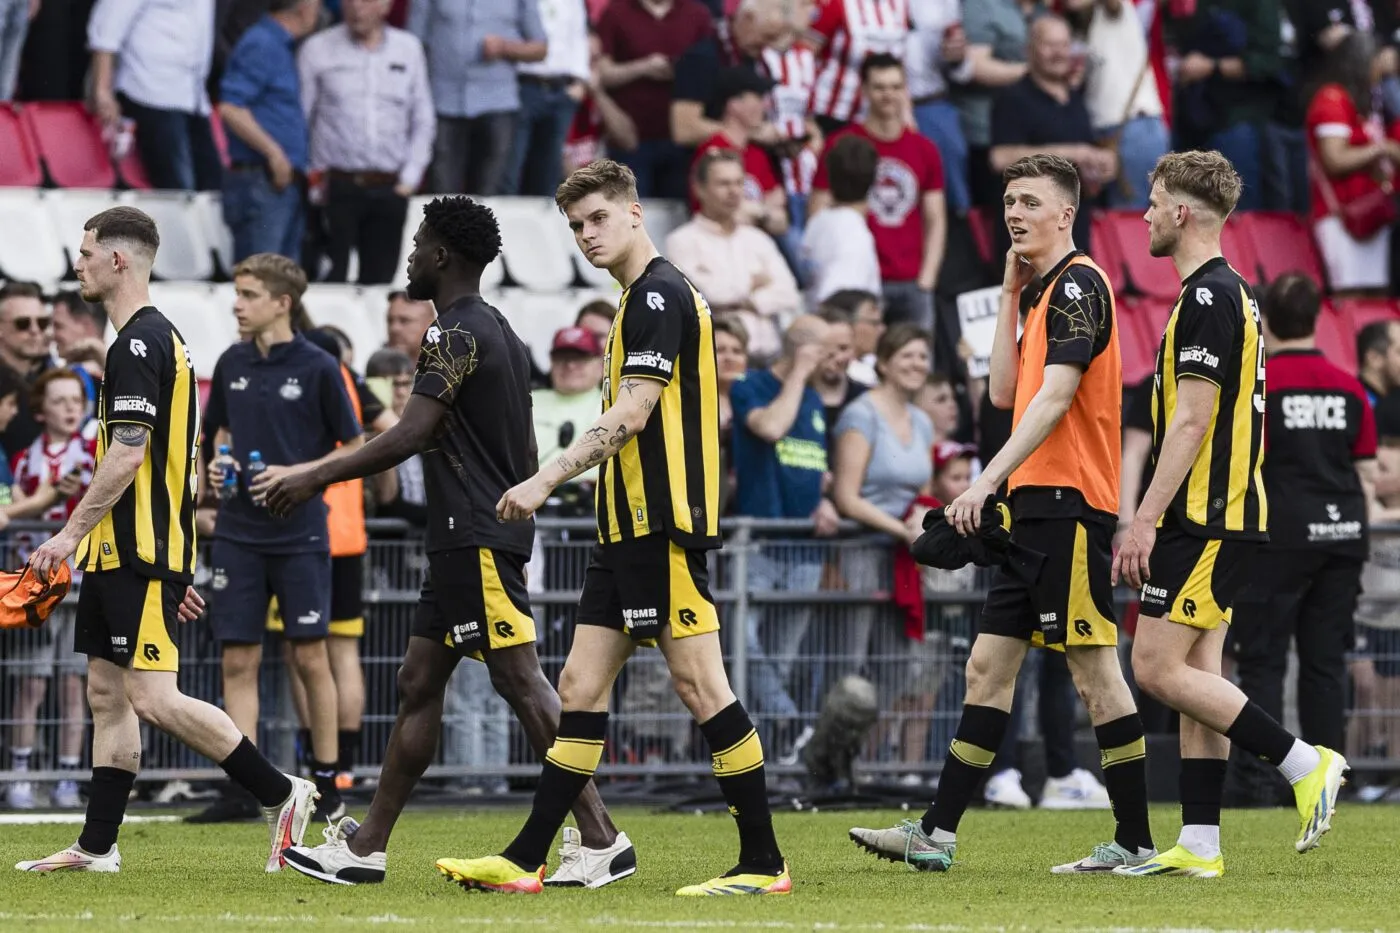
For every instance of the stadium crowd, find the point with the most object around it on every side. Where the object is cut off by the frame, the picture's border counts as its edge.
(842, 162)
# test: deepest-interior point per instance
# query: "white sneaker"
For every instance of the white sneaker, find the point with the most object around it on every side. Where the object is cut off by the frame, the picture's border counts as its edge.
(581, 867)
(1004, 790)
(333, 862)
(1078, 790)
(286, 823)
(20, 796)
(75, 859)
(65, 796)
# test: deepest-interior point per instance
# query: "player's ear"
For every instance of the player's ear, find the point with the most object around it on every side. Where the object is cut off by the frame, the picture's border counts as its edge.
(636, 211)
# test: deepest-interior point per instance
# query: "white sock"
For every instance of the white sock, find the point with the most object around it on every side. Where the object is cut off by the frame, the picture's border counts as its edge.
(942, 836)
(1300, 761)
(1200, 840)
(19, 758)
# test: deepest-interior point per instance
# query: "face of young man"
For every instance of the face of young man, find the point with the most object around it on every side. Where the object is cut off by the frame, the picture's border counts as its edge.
(604, 229)
(1037, 213)
(255, 308)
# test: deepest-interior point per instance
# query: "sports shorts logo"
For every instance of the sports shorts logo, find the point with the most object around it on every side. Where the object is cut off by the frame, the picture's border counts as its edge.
(1154, 592)
(460, 633)
(311, 618)
(631, 617)
(220, 581)
(687, 617)
(1082, 628)
(150, 652)
(504, 629)
(1188, 608)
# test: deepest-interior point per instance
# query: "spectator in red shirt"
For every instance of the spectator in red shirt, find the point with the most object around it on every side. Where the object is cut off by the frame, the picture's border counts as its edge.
(1356, 160)
(845, 34)
(739, 95)
(907, 214)
(641, 41)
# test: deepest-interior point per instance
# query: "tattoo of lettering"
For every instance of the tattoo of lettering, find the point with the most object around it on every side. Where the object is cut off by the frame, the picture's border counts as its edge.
(132, 435)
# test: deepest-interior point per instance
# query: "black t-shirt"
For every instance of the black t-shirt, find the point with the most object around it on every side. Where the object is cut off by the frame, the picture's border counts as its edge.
(1386, 407)
(698, 68)
(473, 363)
(1319, 426)
(832, 413)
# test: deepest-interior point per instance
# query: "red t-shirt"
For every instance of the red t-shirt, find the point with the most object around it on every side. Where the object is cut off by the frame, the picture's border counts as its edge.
(1332, 114)
(909, 167)
(758, 169)
(584, 142)
(628, 31)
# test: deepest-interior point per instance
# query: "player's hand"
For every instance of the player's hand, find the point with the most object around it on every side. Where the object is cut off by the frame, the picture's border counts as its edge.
(192, 606)
(48, 556)
(1017, 274)
(1131, 561)
(965, 512)
(283, 488)
(520, 502)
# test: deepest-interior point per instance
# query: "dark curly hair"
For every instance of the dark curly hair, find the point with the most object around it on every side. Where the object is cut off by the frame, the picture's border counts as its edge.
(465, 227)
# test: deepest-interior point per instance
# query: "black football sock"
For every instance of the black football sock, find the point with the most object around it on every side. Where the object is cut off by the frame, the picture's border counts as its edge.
(349, 749)
(736, 757)
(323, 773)
(255, 774)
(1123, 756)
(980, 732)
(111, 788)
(1258, 733)
(568, 767)
(305, 756)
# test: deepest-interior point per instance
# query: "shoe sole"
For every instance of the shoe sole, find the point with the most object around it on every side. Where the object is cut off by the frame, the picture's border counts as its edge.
(292, 827)
(1335, 772)
(897, 859)
(1051, 804)
(594, 884)
(471, 884)
(1202, 873)
(311, 872)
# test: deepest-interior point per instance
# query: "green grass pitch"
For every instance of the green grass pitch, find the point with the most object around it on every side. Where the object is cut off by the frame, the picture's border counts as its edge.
(197, 878)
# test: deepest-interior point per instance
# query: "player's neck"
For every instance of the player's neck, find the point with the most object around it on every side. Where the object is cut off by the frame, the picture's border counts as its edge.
(279, 331)
(1051, 257)
(1195, 251)
(886, 128)
(631, 267)
(453, 288)
(122, 305)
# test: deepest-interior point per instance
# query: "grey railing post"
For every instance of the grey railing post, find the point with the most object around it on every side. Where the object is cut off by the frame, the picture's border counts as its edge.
(739, 626)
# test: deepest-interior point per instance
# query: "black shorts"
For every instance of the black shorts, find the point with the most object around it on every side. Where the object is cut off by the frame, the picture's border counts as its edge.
(129, 619)
(246, 581)
(1381, 646)
(348, 596)
(474, 599)
(1194, 581)
(635, 586)
(1070, 602)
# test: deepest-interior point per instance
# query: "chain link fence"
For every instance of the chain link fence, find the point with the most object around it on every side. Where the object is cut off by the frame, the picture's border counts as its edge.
(798, 614)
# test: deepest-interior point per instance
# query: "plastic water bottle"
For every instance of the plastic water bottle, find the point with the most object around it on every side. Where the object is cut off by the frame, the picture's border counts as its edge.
(228, 487)
(255, 466)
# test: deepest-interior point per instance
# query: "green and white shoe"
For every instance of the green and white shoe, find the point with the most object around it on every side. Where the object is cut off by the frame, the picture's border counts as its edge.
(1105, 857)
(907, 843)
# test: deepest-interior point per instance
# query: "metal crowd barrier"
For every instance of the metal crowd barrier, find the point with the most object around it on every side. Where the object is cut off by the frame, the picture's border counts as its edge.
(798, 614)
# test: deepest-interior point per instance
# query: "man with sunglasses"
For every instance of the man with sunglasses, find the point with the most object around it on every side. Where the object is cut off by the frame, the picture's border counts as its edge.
(26, 342)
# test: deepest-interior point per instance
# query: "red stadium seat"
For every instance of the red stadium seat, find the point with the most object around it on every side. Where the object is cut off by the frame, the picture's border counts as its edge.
(19, 156)
(1104, 251)
(1239, 250)
(980, 223)
(1139, 352)
(1149, 276)
(1336, 338)
(132, 172)
(1356, 313)
(70, 145)
(1282, 243)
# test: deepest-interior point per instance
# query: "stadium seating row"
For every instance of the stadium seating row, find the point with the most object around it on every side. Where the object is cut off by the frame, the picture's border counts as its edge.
(60, 144)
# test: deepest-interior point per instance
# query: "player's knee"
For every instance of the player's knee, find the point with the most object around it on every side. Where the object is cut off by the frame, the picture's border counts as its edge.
(240, 664)
(1153, 671)
(986, 680)
(414, 689)
(310, 656)
(105, 698)
(580, 692)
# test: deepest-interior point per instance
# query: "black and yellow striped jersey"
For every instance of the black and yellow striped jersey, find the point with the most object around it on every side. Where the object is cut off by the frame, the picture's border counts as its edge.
(666, 478)
(1214, 334)
(149, 381)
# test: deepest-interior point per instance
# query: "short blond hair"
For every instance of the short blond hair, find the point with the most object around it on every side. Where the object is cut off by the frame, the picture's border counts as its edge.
(282, 277)
(612, 180)
(1059, 170)
(1206, 177)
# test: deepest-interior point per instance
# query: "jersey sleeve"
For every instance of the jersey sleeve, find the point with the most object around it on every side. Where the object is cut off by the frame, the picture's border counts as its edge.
(337, 414)
(1075, 318)
(1331, 113)
(1206, 328)
(652, 330)
(446, 359)
(1363, 446)
(135, 366)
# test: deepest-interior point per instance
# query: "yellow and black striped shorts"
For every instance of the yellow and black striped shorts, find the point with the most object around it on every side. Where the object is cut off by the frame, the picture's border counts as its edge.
(474, 599)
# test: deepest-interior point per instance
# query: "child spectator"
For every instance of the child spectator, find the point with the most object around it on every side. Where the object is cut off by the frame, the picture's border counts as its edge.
(838, 249)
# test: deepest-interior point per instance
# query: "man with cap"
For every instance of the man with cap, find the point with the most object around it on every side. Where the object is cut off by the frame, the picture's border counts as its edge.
(740, 104)
(570, 404)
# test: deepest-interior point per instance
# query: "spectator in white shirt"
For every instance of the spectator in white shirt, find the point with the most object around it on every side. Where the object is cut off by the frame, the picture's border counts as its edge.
(838, 249)
(550, 93)
(735, 265)
(364, 87)
(150, 62)
(937, 47)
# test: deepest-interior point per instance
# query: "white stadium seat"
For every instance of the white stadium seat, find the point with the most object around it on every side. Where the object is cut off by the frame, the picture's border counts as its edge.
(30, 245)
(493, 277)
(535, 316)
(358, 311)
(185, 253)
(203, 314)
(209, 208)
(533, 259)
(71, 208)
(661, 217)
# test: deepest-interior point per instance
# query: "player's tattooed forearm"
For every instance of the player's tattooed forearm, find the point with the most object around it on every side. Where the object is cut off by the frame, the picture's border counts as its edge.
(595, 433)
(132, 435)
(568, 464)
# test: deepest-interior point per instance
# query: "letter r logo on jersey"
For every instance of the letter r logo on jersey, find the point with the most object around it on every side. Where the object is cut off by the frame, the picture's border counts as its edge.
(150, 652)
(655, 302)
(1082, 628)
(1188, 606)
(1203, 296)
(687, 617)
(138, 347)
(504, 629)
(1072, 291)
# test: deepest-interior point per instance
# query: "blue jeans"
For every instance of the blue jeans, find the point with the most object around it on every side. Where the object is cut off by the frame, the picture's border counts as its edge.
(1143, 141)
(662, 168)
(938, 120)
(262, 219)
(790, 243)
(14, 26)
(1285, 153)
(541, 126)
(177, 148)
(1240, 144)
